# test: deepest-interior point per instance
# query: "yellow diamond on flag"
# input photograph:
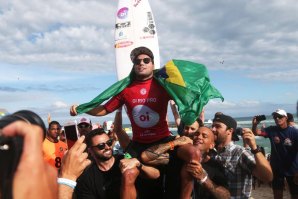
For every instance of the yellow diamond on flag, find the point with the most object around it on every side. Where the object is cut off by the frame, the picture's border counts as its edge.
(174, 74)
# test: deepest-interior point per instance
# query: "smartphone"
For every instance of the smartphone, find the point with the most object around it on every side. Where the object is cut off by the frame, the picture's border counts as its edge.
(71, 133)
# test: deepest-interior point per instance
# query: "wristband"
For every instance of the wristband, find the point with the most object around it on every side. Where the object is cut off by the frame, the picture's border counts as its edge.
(172, 146)
(67, 182)
(204, 179)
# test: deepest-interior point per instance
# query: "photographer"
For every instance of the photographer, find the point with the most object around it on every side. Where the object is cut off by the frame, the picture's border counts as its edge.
(284, 153)
(40, 182)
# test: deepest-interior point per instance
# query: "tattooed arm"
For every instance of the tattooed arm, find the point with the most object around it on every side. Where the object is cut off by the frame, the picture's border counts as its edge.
(196, 170)
(157, 154)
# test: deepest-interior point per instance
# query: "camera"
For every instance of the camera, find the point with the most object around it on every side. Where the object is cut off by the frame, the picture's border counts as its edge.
(260, 118)
(11, 148)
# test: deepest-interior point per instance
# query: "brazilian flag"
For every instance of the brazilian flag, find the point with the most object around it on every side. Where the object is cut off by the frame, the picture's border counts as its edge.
(186, 82)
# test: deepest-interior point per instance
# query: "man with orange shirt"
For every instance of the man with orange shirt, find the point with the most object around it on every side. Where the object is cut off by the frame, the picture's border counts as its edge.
(53, 148)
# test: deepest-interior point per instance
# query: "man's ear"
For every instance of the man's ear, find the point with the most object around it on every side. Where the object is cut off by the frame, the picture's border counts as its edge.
(230, 131)
(212, 146)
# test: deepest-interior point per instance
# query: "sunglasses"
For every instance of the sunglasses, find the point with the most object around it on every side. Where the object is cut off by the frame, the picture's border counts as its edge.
(101, 146)
(82, 126)
(278, 116)
(53, 129)
(146, 60)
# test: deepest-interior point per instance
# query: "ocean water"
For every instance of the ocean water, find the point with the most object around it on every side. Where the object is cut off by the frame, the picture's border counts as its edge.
(246, 122)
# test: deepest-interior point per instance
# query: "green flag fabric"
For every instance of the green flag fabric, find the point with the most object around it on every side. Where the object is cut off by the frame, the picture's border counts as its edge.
(105, 95)
(189, 86)
(186, 82)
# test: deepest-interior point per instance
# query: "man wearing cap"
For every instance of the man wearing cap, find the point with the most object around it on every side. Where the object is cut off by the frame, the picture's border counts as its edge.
(84, 126)
(239, 163)
(146, 102)
(145, 99)
(284, 153)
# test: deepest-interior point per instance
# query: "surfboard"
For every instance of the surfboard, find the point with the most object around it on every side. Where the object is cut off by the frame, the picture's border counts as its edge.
(135, 26)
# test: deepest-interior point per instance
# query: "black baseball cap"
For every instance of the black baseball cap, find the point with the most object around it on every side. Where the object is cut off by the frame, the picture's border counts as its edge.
(141, 50)
(229, 122)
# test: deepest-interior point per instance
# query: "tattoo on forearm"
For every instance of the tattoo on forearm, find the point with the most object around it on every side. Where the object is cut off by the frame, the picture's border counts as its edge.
(156, 151)
(217, 191)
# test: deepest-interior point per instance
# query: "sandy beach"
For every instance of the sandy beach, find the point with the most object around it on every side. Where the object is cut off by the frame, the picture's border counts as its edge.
(265, 192)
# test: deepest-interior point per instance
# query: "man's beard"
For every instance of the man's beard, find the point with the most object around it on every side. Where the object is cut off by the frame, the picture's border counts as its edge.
(103, 158)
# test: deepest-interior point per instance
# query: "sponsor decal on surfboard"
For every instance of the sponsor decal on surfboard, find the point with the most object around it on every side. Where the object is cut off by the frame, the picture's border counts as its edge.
(122, 13)
(134, 27)
(123, 44)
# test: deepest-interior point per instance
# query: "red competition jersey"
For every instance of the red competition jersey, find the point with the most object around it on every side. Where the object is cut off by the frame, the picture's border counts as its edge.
(147, 104)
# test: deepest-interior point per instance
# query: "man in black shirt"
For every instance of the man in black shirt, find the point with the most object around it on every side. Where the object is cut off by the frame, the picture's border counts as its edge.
(210, 181)
(102, 179)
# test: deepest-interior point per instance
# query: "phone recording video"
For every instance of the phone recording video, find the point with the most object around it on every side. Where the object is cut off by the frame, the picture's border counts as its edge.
(71, 133)
(260, 118)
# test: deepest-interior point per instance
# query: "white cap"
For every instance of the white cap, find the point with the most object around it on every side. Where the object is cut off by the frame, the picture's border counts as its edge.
(108, 125)
(280, 112)
(84, 120)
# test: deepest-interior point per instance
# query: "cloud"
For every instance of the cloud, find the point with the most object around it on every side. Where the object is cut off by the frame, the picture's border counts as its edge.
(57, 34)
(60, 104)
(283, 76)
(52, 49)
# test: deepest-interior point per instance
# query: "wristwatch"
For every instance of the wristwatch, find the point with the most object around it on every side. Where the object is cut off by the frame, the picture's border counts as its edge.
(257, 150)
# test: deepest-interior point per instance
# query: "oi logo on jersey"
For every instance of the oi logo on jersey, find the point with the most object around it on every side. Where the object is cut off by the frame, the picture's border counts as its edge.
(144, 116)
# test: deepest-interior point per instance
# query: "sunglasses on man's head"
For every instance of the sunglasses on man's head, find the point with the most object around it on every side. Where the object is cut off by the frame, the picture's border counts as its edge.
(101, 146)
(82, 126)
(278, 116)
(146, 60)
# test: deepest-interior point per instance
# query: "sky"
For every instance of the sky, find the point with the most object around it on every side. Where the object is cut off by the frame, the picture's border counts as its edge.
(57, 53)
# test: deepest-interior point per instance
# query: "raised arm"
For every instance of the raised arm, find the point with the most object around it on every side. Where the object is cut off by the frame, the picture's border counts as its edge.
(73, 164)
(97, 111)
(262, 169)
(118, 129)
(254, 126)
(175, 112)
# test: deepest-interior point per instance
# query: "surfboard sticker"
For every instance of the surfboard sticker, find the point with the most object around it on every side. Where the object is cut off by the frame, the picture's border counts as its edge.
(134, 27)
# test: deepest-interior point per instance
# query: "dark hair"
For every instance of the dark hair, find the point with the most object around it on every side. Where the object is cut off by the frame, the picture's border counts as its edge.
(227, 120)
(141, 50)
(200, 122)
(93, 133)
(290, 117)
(54, 122)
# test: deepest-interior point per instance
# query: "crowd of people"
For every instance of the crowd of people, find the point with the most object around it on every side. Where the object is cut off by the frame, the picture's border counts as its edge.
(201, 162)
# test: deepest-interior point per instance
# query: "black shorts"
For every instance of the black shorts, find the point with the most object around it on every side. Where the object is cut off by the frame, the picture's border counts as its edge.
(135, 149)
(279, 183)
(168, 184)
